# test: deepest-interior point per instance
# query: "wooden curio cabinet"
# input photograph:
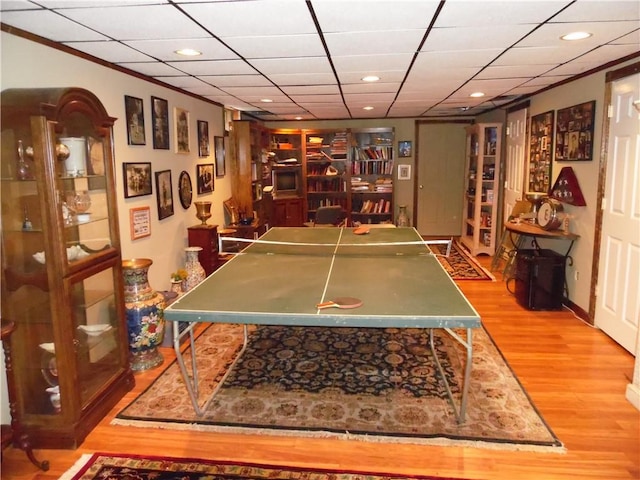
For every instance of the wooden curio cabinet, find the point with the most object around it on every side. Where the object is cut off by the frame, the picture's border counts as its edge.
(61, 263)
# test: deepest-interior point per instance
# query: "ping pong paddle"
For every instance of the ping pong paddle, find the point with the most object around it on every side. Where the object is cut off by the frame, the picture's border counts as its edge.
(341, 302)
(361, 230)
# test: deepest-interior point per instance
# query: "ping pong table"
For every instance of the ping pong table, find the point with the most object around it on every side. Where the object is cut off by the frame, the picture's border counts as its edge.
(280, 278)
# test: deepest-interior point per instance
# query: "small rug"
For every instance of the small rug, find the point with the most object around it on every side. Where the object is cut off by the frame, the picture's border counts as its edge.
(375, 385)
(114, 466)
(459, 264)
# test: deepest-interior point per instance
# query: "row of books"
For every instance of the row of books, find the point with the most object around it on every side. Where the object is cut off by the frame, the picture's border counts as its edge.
(326, 185)
(378, 167)
(326, 202)
(375, 206)
(373, 153)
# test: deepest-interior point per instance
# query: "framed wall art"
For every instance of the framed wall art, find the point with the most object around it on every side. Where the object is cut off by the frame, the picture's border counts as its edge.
(540, 152)
(219, 151)
(140, 222)
(574, 132)
(203, 138)
(181, 121)
(205, 178)
(134, 111)
(185, 189)
(137, 179)
(404, 172)
(404, 148)
(164, 194)
(160, 120)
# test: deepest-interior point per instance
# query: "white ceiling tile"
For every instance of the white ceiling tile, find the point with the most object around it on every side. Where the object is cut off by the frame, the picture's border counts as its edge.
(49, 25)
(388, 77)
(253, 18)
(364, 87)
(573, 68)
(153, 69)
(7, 5)
(270, 66)
(313, 99)
(237, 80)
(214, 67)
(203, 90)
(609, 10)
(277, 46)
(603, 32)
(367, 15)
(304, 79)
(310, 89)
(496, 13)
(137, 22)
(602, 54)
(165, 49)
(373, 43)
(456, 58)
(182, 81)
(369, 97)
(114, 52)
(514, 71)
(480, 36)
(540, 55)
(372, 63)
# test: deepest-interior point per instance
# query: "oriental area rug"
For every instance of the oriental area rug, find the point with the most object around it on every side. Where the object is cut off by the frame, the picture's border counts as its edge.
(459, 264)
(376, 385)
(101, 466)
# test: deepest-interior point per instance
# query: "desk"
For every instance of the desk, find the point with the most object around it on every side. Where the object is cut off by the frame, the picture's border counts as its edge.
(280, 279)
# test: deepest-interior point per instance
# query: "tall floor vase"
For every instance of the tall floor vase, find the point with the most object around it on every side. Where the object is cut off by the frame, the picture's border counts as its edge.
(144, 308)
(195, 271)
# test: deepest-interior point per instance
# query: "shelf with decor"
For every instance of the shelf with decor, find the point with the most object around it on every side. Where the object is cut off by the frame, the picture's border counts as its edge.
(62, 282)
(371, 175)
(480, 205)
(326, 170)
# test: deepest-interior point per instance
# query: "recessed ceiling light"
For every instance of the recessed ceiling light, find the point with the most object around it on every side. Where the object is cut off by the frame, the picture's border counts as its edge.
(188, 52)
(367, 108)
(266, 100)
(370, 78)
(477, 94)
(576, 36)
(298, 118)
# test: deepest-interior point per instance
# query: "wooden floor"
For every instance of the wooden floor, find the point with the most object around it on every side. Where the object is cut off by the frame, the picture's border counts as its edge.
(574, 373)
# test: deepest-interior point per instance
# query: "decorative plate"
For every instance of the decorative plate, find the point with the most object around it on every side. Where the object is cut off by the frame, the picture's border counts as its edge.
(185, 189)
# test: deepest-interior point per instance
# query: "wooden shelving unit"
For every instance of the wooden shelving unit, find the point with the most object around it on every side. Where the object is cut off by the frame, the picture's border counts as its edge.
(482, 172)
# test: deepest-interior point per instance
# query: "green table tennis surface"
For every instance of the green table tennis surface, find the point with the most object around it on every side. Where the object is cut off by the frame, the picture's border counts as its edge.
(281, 283)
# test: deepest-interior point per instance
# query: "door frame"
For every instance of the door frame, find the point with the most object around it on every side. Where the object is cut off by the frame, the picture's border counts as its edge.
(610, 77)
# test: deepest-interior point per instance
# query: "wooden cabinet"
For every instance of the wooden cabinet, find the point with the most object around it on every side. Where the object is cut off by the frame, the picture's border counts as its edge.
(205, 237)
(249, 166)
(62, 280)
(371, 175)
(288, 212)
(482, 171)
(326, 170)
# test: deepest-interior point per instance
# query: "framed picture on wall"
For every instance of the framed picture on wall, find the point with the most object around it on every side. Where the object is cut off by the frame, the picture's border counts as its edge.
(540, 152)
(204, 174)
(160, 120)
(218, 143)
(574, 132)
(404, 172)
(140, 222)
(134, 111)
(203, 138)
(164, 194)
(181, 122)
(404, 148)
(137, 179)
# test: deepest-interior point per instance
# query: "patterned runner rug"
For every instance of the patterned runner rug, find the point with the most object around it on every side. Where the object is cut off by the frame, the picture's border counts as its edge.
(100, 466)
(369, 384)
(459, 264)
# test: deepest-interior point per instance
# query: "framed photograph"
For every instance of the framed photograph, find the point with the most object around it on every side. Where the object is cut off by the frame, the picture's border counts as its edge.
(203, 138)
(540, 152)
(164, 194)
(185, 189)
(140, 221)
(574, 132)
(137, 179)
(205, 177)
(181, 121)
(404, 172)
(160, 120)
(134, 111)
(218, 143)
(404, 148)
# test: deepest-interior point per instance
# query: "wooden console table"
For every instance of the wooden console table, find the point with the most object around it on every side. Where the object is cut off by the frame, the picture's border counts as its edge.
(534, 232)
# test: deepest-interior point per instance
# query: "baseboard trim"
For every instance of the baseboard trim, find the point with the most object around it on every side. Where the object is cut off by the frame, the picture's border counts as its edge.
(633, 395)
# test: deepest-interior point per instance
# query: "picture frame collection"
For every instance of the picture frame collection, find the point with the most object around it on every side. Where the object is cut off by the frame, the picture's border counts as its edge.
(138, 177)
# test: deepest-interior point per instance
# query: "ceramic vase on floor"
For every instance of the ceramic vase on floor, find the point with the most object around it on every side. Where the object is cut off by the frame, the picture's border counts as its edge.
(144, 308)
(403, 217)
(195, 271)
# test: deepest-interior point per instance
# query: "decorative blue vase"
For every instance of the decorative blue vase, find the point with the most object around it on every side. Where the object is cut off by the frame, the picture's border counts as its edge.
(144, 310)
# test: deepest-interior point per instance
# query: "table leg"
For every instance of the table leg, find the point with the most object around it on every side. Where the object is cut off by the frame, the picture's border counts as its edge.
(468, 344)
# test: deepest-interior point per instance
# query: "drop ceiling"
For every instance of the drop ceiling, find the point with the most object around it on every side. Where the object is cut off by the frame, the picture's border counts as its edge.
(309, 57)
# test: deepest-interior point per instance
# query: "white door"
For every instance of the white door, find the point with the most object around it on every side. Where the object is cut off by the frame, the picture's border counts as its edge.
(514, 175)
(617, 310)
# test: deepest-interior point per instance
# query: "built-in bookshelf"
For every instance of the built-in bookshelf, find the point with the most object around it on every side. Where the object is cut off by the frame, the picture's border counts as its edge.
(371, 175)
(326, 170)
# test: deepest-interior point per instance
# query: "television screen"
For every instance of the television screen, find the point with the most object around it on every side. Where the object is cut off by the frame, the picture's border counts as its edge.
(285, 181)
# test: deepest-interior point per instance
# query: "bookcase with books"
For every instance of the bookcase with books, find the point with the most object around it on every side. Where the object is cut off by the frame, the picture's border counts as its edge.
(371, 175)
(325, 170)
(480, 205)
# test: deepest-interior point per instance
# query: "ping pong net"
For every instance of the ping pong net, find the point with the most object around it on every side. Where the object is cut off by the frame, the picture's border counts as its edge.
(244, 246)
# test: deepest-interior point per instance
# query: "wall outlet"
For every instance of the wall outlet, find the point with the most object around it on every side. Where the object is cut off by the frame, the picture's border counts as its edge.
(576, 275)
